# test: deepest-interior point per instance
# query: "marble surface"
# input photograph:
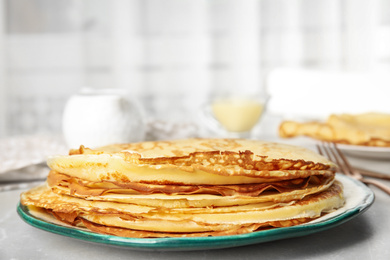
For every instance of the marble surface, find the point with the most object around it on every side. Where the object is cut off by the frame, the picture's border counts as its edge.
(364, 237)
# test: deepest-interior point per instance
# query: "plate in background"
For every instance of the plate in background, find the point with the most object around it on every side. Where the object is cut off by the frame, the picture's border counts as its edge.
(372, 152)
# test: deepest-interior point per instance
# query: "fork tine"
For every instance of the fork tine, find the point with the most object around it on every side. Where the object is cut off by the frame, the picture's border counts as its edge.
(344, 159)
(326, 150)
(339, 162)
(322, 149)
(319, 150)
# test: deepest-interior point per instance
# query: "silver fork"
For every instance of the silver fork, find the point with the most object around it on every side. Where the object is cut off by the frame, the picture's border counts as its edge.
(333, 153)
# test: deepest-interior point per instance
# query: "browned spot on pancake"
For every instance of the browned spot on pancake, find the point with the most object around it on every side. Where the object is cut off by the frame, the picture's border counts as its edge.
(244, 159)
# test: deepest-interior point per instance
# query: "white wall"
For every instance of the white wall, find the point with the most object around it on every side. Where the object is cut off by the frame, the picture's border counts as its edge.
(3, 106)
(171, 54)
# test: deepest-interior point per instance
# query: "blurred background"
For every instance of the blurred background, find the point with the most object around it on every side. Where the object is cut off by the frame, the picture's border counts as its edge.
(171, 54)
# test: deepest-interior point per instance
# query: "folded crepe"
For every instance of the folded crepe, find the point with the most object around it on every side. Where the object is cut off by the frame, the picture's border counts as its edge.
(368, 129)
(186, 188)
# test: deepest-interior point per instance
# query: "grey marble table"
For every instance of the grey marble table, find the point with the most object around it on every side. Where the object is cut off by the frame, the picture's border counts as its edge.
(365, 237)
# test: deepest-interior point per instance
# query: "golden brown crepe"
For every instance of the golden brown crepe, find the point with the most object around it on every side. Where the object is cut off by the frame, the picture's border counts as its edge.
(369, 129)
(193, 187)
(160, 221)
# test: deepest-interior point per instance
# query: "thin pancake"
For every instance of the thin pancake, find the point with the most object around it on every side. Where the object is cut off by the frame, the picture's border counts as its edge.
(193, 162)
(218, 219)
(82, 187)
(368, 129)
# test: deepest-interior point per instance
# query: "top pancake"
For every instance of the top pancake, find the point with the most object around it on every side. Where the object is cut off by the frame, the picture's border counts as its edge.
(186, 147)
(192, 161)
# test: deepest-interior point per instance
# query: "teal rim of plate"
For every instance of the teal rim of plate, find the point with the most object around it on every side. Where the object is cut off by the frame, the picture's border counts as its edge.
(198, 243)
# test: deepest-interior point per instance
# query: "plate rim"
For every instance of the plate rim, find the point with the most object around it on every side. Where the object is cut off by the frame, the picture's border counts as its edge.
(363, 148)
(201, 243)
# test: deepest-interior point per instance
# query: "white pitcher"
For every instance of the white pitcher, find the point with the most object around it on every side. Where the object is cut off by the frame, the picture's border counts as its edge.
(96, 118)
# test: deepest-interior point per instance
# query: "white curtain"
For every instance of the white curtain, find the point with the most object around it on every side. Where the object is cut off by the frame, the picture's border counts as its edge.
(170, 54)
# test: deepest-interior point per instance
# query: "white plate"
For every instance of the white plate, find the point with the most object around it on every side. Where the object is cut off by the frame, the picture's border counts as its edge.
(365, 151)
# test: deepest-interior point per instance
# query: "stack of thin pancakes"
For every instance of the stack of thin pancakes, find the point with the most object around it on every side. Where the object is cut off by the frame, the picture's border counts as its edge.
(186, 188)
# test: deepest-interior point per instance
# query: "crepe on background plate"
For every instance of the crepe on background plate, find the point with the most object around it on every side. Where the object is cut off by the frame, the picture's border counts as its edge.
(368, 129)
(187, 188)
